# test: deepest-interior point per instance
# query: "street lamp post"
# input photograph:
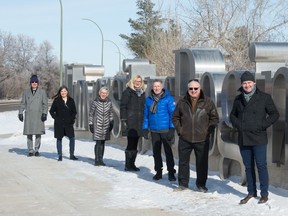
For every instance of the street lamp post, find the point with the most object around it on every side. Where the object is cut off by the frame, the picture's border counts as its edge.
(101, 36)
(118, 52)
(61, 41)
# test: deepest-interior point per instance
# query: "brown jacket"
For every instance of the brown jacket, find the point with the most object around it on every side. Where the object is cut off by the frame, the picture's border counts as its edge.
(195, 126)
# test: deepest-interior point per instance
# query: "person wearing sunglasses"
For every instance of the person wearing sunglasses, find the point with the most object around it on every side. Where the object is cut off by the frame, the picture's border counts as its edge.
(195, 118)
(33, 111)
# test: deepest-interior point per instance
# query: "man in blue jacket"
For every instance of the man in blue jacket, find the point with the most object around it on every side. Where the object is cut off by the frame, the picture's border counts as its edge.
(158, 111)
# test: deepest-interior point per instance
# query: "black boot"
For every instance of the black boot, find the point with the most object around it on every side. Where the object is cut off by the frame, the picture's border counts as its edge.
(99, 150)
(171, 176)
(158, 175)
(130, 157)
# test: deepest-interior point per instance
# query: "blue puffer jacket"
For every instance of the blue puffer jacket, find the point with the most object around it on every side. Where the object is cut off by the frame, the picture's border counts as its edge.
(162, 119)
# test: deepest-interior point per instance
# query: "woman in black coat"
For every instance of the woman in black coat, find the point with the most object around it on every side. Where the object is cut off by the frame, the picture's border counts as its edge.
(63, 111)
(132, 114)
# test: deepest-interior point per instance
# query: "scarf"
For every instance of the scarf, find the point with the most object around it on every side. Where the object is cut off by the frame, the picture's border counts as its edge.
(248, 96)
(139, 92)
(156, 98)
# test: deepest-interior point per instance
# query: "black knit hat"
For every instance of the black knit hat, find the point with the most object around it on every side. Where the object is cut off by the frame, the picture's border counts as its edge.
(247, 76)
(34, 78)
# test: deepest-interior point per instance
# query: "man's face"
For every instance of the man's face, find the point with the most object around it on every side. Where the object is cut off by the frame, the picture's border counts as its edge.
(248, 86)
(34, 85)
(157, 87)
(194, 89)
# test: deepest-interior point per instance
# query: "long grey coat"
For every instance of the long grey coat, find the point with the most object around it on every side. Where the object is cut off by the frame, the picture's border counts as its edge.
(100, 115)
(33, 106)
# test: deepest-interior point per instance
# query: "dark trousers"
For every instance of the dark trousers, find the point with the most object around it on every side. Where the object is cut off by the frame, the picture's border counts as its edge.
(157, 140)
(201, 150)
(250, 155)
(71, 146)
(132, 143)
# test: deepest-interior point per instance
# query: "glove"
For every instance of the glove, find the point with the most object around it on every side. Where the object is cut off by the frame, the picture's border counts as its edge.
(171, 134)
(20, 117)
(124, 127)
(145, 133)
(43, 117)
(91, 128)
(111, 124)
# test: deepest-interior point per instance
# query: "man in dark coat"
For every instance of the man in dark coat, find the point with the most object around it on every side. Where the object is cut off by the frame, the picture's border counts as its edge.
(252, 113)
(33, 110)
(194, 118)
(131, 115)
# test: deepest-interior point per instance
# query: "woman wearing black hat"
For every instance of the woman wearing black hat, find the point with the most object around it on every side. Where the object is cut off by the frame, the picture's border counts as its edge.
(252, 113)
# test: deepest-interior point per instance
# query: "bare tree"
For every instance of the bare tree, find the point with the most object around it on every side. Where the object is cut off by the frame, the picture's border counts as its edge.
(162, 45)
(46, 67)
(232, 25)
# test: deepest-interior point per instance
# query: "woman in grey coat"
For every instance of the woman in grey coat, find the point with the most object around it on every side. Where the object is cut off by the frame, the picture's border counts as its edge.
(33, 110)
(101, 123)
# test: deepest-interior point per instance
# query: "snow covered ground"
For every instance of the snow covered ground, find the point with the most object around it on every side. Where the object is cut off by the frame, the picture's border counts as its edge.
(122, 193)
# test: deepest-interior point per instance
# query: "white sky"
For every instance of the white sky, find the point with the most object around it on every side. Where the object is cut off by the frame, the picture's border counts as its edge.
(81, 39)
(130, 190)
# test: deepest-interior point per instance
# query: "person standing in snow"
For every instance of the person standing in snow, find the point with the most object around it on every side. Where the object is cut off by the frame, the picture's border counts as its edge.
(158, 111)
(101, 123)
(252, 113)
(33, 111)
(63, 111)
(131, 115)
(195, 118)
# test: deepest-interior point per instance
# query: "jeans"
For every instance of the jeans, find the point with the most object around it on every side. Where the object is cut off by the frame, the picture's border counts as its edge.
(71, 146)
(250, 155)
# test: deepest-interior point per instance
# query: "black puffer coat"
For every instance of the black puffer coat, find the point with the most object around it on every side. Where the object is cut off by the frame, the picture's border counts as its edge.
(253, 118)
(132, 110)
(64, 117)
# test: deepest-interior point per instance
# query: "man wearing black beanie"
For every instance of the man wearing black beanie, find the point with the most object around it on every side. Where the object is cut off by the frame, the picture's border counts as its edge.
(252, 113)
(33, 111)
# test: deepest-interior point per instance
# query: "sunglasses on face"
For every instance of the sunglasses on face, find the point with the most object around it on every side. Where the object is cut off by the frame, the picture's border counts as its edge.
(191, 88)
(34, 82)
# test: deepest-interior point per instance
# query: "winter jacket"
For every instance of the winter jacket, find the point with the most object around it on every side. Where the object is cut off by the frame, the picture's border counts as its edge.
(162, 119)
(64, 115)
(33, 106)
(101, 115)
(132, 111)
(253, 118)
(194, 127)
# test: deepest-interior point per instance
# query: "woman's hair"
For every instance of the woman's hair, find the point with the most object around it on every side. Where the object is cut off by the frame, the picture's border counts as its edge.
(58, 95)
(132, 80)
(104, 88)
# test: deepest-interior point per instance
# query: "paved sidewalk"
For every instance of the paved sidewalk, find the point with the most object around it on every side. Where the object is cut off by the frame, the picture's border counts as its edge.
(43, 186)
